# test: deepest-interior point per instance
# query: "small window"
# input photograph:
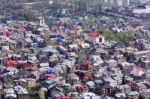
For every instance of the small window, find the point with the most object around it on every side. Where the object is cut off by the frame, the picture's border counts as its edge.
(1, 62)
(100, 39)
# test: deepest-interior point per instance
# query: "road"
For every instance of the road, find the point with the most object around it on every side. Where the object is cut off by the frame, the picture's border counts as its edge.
(121, 16)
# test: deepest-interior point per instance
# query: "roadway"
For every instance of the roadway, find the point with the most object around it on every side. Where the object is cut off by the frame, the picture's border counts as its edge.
(121, 16)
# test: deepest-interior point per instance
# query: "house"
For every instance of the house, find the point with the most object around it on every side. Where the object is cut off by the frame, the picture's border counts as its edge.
(133, 95)
(116, 73)
(111, 81)
(96, 97)
(96, 37)
(137, 71)
(139, 87)
(50, 50)
(111, 63)
(90, 84)
(120, 58)
(62, 68)
(98, 84)
(42, 91)
(31, 82)
(23, 82)
(97, 61)
(62, 50)
(1, 85)
(70, 65)
(73, 79)
(107, 89)
(106, 97)
(139, 54)
(145, 62)
(74, 95)
(142, 10)
(146, 93)
(8, 80)
(124, 88)
(85, 45)
(9, 94)
(87, 94)
(81, 88)
(63, 97)
(43, 58)
(126, 67)
(146, 65)
(45, 64)
(53, 90)
(83, 74)
(120, 96)
(22, 93)
(60, 81)
(71, 55)
(118, 79)
(103, 53)
(32, 57)
(1, 61)
(73, 46)
(129, 80)
(85, 65)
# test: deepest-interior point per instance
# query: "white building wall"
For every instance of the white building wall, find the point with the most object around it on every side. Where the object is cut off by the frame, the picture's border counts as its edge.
(141, 11)
(125, 3)
(116, 3)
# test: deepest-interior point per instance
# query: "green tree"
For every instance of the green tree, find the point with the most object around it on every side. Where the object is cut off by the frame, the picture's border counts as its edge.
(29, 14)
(108, 34)
(122, 36)
(88, 22)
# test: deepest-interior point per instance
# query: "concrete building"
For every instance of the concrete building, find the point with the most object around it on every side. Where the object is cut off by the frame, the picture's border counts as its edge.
(77, 5)
(115, 3)
(142, 10)
(139, 1)
(125, 3)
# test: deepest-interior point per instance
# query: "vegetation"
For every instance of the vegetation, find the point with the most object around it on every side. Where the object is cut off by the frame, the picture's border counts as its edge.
(88, 22)
(29, 14)
(122, 36)
(33, 93)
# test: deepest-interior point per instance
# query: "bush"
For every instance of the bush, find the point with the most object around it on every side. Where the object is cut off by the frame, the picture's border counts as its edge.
(122, 36)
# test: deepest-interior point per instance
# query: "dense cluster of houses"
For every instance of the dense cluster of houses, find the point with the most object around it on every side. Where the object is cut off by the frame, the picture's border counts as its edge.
(67, 62)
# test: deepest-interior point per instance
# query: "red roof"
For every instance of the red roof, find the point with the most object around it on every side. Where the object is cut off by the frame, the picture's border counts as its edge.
(82, 88)
(50, 75)
(20, 29)
(138, 68)
(71, 33)
(94, 34)
(34, 68)
(24, 24)
(85, 63)
(6, 33)
(129, 84)
(76, 27)
(26, 65)
(63, 97)
(11, 62)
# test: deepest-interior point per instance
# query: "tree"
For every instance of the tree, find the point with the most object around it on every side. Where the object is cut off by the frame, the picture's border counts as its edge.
(108, 35)
(29, 14)
(122, 36)
(88, 22)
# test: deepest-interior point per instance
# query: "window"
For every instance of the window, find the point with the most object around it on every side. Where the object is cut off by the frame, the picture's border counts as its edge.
(100, 39)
